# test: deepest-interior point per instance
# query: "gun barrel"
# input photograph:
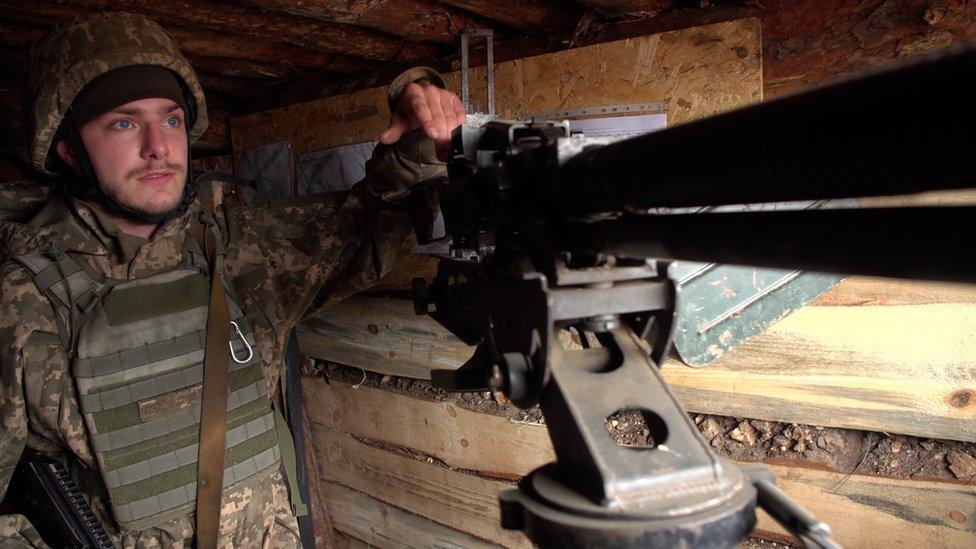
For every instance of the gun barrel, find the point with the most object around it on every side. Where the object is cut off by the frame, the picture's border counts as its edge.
(898, 131)
(921, 243)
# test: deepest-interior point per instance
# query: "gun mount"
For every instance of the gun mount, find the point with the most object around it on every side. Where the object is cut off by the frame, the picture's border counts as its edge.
(552, 234)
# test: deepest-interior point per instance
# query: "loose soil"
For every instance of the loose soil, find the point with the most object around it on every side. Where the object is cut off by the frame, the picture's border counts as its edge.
(739, 439)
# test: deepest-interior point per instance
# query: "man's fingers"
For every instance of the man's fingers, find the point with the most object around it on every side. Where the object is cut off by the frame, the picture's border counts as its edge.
(438, 128)
(420, 113)
(458, 109)
(451, 119)
(398, 125)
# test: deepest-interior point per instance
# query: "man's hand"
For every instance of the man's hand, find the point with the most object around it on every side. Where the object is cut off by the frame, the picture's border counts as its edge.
(436, 110)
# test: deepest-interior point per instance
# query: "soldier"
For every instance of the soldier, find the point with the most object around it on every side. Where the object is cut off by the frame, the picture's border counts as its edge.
(125, 288)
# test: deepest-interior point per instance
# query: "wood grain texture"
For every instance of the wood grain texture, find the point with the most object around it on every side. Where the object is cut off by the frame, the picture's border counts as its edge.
(382, 525)
(869, 512)
(529, 15)
(698, 72)
(298, 31)
(811, 41)
(906, 369)
(864, 511)
(449, 497)
(459, 438)
(417, 20)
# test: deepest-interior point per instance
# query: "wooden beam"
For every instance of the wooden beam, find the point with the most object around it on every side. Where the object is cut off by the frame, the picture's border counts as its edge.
(230, 46)
(864, 511)
(899, 369)
(630, 7)
(240, 68)
(417, 20)
(525, 15)
(217, 137)
(298, 31)
(237, 88)
(810, 41)
(18, 35)
(383, 525)
(31, 19)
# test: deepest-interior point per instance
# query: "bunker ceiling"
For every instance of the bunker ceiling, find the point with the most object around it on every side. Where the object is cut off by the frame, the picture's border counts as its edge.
(257, 54)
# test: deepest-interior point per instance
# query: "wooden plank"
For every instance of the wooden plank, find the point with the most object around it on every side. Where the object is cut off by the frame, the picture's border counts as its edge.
(901, 369)
(698, 72)
(460, 438)
(449, 497)
(875, 291)
(382, 525)
(385, 337)
(864, 511)
(871, 512)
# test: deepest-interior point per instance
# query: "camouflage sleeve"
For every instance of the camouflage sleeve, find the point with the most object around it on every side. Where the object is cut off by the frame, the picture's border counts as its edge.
(318, 249)
(31, 364)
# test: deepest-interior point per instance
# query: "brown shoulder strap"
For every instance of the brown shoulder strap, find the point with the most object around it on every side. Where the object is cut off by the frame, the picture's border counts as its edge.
(213, 401)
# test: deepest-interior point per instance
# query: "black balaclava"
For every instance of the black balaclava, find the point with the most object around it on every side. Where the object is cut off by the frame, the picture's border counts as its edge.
(114, 88)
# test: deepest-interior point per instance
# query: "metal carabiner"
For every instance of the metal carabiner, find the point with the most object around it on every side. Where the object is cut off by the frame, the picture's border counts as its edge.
(250, 352)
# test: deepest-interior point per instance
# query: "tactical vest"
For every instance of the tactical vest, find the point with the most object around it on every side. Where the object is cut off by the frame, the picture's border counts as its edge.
(136, 349)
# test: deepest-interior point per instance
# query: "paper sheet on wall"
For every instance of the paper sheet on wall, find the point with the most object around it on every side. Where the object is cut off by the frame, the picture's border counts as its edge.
(620, 126)
(334, 169)
(270, 168)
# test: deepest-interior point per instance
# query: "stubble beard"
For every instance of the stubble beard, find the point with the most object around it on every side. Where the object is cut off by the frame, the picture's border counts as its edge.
(158, 209)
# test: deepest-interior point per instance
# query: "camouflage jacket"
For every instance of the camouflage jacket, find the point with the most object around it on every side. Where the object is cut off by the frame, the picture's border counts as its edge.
(287, 258)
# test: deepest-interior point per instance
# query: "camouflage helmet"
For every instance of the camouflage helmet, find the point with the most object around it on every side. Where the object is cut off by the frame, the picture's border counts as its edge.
(72, 55)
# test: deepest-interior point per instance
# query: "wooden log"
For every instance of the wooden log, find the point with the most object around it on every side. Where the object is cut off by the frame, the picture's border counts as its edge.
(298, 31)
(902, 369)
(246, 89)
(632, 7)
(808, 42)
(382, 525)
(466, 502)
(418, 20)
(864, 511)
(526, 15)
(240, 68)
(231, 46)
(217, 137)
(34, 17)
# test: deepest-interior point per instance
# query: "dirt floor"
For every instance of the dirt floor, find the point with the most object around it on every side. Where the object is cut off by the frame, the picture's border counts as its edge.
(740, 439)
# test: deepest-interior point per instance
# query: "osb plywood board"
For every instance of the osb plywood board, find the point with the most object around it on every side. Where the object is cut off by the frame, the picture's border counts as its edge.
(697, 72)
(896, 368)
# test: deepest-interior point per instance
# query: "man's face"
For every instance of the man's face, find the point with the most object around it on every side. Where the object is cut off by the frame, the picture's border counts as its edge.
(139, 153)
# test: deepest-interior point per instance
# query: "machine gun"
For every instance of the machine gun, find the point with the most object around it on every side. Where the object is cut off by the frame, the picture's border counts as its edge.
(555, 231)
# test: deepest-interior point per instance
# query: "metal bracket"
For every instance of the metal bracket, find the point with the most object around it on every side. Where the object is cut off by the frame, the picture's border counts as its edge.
(489, 69)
